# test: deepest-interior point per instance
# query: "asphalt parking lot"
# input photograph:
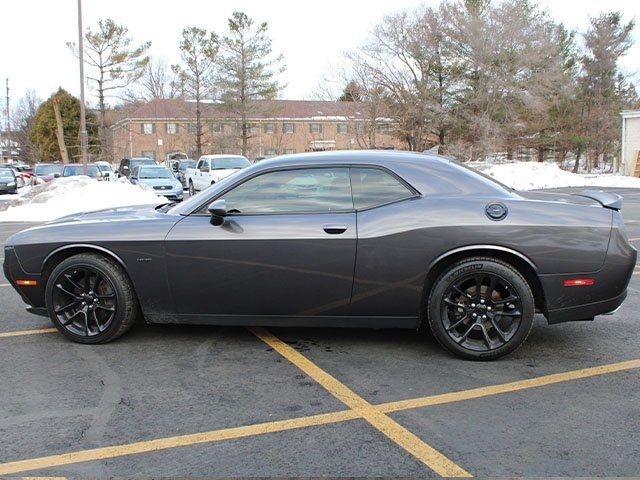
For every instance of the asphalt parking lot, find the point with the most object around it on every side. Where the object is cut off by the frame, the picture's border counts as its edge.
(221, 401)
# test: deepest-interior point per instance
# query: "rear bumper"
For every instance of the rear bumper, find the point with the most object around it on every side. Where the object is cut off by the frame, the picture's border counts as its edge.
(586, 311)
(574, 303)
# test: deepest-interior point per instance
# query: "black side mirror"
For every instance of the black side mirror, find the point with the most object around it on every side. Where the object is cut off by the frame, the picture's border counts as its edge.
(218, 210)
(56, 175)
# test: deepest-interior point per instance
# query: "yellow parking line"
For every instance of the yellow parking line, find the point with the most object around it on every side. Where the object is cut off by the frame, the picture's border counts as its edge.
(634, 239)
(508, 387)
(19, 333)
(410, 442)
(174, 442)
(44, 478)
(5, 284)
(302, 422)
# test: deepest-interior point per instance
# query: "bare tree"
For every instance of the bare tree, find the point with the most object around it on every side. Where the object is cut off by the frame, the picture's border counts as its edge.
(22, 120)
(114, 63)
(194, 74)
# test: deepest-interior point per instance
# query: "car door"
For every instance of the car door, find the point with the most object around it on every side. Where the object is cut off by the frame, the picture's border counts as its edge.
(286, 248)
(202, 174)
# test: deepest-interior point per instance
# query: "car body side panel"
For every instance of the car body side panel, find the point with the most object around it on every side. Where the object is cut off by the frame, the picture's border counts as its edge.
(137, 240)
(398, 242)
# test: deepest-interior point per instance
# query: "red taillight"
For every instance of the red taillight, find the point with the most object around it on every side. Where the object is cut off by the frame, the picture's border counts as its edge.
(27, 283)
(578, 282)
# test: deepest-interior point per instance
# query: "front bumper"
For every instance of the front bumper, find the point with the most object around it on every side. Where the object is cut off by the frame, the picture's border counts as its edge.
(32, 295)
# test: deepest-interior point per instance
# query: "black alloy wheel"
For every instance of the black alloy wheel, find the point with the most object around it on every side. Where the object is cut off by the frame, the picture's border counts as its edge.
(90, 299)
(481, 309)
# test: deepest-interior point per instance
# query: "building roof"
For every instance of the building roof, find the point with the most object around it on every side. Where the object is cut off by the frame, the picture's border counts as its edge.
(179, 109)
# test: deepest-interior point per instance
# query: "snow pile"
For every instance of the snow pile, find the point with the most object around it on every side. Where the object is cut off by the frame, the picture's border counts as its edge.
(536, 175)
(66, 196)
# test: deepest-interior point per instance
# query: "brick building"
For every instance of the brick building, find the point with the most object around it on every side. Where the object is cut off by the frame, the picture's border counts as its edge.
(160, 127)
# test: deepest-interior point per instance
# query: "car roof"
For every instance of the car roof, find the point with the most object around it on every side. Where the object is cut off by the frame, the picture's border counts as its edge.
(212, 157)
(375, 157)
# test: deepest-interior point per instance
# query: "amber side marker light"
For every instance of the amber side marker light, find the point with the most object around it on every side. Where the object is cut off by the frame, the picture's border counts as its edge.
(27, 283)
(578, 282)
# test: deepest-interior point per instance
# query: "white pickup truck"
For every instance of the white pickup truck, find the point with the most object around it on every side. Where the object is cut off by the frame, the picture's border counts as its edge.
(211, 169)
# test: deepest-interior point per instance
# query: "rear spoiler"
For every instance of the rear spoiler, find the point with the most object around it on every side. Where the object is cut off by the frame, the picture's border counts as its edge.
(606, 199)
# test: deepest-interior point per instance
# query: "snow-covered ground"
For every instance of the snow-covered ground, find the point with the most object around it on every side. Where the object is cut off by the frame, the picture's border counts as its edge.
(66, 196)
(535, 175)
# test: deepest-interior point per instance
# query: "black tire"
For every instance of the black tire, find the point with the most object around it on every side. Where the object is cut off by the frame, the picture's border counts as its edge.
(100, 317)
(480, 309)
(192, 190)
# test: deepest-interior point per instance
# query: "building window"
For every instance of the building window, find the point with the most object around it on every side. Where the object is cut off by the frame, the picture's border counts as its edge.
(270, 152)
(383, 128)
(148, 154)
(361, 128)
(148, 128)
(217, 127)
(252, 128)
(341, 128)
(315, 128)
(288, 127)
(172, 128)
(269, 128)
(191, 127)
(289, 151)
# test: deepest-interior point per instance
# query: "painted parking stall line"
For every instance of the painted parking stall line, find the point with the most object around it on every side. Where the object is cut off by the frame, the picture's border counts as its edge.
(410, 442)
(302, 422)
(21, 333)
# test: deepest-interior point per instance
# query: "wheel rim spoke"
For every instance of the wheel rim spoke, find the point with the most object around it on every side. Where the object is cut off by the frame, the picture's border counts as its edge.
(471, 320)
(94, 289)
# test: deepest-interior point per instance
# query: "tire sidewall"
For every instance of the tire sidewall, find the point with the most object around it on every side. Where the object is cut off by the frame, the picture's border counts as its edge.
(104, 268)
(462, 269)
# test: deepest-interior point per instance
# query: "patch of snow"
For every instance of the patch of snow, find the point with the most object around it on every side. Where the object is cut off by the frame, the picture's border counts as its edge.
(536, 175)
(66, 196)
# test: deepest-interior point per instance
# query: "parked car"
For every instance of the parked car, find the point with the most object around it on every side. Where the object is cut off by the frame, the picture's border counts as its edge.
(128, 164)
(107, 172)
(22, 178)
(211, 169)
(180, 170)
(358, 238)
(46, 172)
(77, 169)
(8, 181)
(158, 179)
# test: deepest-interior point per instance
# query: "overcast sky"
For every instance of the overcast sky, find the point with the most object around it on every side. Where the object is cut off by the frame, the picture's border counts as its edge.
(310, 35)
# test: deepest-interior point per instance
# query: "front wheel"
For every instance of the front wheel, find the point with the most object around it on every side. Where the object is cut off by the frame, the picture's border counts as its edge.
(481, 309)
(90, 299)
(192, 190)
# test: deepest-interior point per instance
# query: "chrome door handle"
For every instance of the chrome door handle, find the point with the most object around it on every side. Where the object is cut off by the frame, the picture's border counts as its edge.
(333, 229)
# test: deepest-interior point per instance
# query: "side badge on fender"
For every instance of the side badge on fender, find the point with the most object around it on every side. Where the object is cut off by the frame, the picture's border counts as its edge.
(496, 211)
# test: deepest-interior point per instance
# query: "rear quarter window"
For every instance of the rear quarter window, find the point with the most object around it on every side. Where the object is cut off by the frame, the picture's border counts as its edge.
(374, 187)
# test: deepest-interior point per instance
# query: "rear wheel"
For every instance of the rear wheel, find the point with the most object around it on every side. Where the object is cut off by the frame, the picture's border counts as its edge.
(90, 299)
(192, 190)
(481, 309)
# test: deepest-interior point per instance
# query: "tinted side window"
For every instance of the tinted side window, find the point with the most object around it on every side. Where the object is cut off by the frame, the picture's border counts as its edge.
(372, 186)
(293, 191)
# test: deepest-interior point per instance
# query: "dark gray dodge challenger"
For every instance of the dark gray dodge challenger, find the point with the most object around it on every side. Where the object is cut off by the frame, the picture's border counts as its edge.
(341, 239)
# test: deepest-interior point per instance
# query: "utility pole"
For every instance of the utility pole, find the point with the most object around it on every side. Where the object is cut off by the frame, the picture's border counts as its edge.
(83, 121)
(8, 132)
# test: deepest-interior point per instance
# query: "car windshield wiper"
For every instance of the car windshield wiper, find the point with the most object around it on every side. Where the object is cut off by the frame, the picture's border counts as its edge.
(164, 207)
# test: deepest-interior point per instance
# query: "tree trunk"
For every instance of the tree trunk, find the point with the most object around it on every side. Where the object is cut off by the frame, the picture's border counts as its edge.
(198, 129)
(577, 162)
(60, 131)
(541, 151)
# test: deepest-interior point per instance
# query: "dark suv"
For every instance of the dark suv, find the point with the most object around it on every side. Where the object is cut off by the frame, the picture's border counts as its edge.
(128, 164)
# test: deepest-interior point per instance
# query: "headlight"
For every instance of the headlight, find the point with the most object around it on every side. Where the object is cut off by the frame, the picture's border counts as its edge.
(11, 184)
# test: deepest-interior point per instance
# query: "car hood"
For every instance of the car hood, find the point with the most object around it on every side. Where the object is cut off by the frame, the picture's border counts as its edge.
(133, 212)
(225, 172)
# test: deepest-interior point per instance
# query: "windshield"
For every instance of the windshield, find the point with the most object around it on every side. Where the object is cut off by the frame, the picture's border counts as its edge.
(155, 172)
(104, 168)
(75, 170)
(184, 164)
(141, 161)
(6, 174)
(230, 162)
(48, 169)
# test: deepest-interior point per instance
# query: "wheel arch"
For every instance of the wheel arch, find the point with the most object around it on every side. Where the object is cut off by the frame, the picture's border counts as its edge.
(525, 266)
(66, 251)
